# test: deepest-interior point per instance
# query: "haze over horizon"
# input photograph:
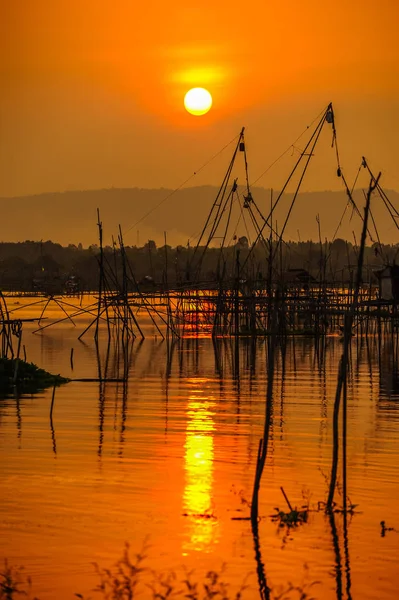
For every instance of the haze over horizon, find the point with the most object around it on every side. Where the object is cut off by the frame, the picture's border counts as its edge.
(71, 217)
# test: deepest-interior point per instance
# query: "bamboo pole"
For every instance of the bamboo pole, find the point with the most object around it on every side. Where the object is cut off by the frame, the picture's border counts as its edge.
(343, 366)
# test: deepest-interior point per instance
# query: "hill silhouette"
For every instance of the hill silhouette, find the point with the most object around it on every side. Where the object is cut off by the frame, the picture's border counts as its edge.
(70, 217)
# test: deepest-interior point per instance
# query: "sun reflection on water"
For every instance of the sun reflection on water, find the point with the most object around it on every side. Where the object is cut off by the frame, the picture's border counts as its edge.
(202, 531)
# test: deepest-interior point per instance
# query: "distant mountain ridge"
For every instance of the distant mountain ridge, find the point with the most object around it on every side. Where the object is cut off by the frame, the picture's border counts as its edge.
(71, 217)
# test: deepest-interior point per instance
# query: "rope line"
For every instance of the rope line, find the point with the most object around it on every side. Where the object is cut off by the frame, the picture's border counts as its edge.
(289, 148)
(180, 186)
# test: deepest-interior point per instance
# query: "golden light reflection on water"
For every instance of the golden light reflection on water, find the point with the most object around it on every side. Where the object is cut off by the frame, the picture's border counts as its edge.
(202, 526)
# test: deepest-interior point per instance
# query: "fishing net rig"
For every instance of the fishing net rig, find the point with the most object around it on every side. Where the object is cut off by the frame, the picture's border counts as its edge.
(245, 241)
(220, 229)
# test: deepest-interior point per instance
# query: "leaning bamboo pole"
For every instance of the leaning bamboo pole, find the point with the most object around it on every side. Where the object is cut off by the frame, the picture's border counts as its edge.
(264, 441)
(341, 390)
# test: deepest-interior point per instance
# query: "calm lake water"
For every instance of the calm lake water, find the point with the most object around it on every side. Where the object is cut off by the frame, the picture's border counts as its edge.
(169, 460)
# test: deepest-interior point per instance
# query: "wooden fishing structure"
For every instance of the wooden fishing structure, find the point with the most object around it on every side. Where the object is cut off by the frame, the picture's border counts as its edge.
(252, 278)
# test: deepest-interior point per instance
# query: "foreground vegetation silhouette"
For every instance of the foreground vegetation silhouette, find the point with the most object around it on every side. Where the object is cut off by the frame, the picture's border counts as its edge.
(25, 377)
(129, 578)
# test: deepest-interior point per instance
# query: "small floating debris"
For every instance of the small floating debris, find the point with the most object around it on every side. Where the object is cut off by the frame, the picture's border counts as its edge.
(384, 528)
(290, 519)
(348, 509)
(200, 515)
(293, 517)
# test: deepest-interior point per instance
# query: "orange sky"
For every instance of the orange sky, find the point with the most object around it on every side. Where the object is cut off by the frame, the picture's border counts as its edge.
(92, 92)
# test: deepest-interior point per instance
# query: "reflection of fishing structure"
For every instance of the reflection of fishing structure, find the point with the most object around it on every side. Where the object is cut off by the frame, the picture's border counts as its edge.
(342, 569)
(339, 435)
(389, 370)
(114, 364)
(199, 449)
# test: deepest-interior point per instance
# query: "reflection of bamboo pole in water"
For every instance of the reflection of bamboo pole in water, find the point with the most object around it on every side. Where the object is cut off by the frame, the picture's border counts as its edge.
(169, 362)
(323, 386)
(126, 355)
(123, 416)
(227, 353)
(19, 417)
(236, 368)
(283, 370)
(369, 363)
(101, 411)
(217, 355)
(99, 369)
(53, 437)
(379, 338)
(170, 346)
(101, 396)
(196, 355)
(337, 554)
(51, 422)
(252, 369)
(264, 591)
(344, 440)
(131, 350)
(263, 443)
(347, 560)
(339, 567)
(342, 374)
(180, 350)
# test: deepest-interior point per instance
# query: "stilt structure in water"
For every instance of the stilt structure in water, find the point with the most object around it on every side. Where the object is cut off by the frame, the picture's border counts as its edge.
(250, 277)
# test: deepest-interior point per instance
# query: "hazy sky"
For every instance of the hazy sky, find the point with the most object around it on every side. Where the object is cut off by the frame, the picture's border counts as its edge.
(92, 90)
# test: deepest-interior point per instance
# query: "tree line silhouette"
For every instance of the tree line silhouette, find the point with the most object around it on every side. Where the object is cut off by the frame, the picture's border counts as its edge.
(47, 266)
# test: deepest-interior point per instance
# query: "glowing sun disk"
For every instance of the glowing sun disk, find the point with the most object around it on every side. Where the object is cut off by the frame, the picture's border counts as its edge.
(197, 101)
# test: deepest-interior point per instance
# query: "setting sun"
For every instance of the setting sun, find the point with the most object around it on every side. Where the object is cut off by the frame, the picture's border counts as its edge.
(197, 101)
